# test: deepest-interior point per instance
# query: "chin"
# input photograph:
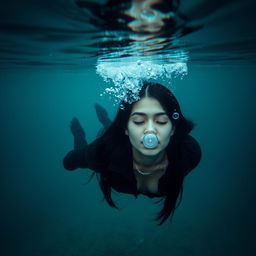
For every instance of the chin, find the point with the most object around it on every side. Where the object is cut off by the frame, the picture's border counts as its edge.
(150, 152)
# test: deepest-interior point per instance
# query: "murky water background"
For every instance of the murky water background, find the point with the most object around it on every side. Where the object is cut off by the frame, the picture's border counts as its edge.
(48, 60)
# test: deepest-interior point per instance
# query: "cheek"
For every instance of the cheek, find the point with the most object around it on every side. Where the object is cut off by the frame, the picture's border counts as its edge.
(135, 135)
(166, 132)
(165, 137)
(131, 131)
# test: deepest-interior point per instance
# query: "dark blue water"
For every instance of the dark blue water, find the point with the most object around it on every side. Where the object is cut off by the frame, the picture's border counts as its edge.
(48, 59)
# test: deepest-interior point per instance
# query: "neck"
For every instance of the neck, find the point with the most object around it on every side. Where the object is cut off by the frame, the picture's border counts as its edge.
(148, 161)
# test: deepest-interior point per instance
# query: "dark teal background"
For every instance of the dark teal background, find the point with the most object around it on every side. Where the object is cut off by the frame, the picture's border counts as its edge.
(46, 210)
(47, 76)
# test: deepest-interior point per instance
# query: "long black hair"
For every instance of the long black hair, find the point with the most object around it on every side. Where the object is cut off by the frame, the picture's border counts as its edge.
(115, 136)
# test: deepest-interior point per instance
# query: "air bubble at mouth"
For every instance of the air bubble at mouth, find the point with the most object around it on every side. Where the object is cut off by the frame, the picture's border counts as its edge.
(150, 141)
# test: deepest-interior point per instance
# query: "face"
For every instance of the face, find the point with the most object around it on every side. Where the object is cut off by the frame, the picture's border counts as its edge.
(148, 115)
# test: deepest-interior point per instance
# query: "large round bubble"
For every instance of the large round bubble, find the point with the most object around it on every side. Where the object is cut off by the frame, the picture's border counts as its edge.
(150, 140)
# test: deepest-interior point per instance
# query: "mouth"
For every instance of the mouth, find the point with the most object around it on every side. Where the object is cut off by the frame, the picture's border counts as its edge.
(150, 149)
(150, 141)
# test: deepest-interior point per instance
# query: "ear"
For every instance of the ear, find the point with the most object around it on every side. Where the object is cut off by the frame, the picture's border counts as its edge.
(126, 132)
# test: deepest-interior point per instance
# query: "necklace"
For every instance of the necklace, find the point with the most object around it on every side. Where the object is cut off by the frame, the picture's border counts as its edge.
(162, 166)
(142, 173)
(145, 173)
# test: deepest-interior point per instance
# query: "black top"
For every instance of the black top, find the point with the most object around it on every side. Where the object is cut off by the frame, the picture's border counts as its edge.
(120, 169)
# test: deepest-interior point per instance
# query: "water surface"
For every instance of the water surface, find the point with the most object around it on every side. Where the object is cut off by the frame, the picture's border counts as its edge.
(49, 52)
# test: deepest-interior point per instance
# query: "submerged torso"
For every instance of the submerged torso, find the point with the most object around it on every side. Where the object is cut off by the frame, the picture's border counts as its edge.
(148, 183)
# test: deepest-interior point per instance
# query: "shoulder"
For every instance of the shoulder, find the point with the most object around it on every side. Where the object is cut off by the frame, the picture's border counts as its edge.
(101, 155)
(190, 154)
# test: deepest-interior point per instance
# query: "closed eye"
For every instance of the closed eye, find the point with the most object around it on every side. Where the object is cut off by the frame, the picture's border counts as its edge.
(138, 122)
(161, 122)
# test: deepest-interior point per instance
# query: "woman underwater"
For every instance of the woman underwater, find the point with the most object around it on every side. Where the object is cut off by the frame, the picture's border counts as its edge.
(146, 150)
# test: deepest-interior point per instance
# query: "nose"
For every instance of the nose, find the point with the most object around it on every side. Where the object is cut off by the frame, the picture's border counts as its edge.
(150, 127)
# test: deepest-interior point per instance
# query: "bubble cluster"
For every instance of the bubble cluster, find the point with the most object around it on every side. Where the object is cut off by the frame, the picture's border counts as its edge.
(127, 75)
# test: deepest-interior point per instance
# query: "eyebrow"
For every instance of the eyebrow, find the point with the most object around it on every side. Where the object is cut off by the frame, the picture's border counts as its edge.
(143, 114)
